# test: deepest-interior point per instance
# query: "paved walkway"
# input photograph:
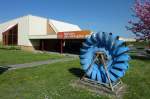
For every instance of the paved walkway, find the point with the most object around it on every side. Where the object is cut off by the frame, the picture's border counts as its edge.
(37, 63)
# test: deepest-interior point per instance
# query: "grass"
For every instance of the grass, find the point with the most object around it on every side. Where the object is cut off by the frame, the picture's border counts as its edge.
(139, 45)
(18, 56)
(53, 82)
(9, 47)
(138, 80)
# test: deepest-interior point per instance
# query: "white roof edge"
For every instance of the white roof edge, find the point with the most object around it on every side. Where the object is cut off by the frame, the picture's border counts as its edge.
(127, 39)
(60, 26)
(13, 19)
(62, 22)
(54, 28)
(42, 36)
(9, 27)
(36, 16)
(28, 15)
(57, 27)
(51, 19)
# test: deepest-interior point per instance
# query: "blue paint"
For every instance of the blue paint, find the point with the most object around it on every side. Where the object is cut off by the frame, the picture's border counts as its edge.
(116, 52)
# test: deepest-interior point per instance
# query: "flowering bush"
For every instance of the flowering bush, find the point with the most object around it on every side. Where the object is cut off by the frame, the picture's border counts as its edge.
(141, 27)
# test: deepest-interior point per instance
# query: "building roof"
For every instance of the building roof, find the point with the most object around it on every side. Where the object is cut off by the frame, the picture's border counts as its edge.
(45, 27)
(9, 27)
(57, 25)
(127, 39)
(60, 26)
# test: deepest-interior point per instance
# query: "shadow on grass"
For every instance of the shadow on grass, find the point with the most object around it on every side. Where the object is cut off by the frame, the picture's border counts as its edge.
(3, 69)
(140, 57)
(77, 72)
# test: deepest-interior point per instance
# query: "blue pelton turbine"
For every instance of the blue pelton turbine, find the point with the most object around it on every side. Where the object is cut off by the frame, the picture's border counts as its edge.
(104, 57)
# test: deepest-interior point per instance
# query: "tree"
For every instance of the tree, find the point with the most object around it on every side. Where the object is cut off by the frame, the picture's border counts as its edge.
(141, 26)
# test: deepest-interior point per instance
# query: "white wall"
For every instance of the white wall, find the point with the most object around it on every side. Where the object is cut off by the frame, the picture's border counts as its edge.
(27, 25)
(5, 25)
(37, 25)
(23, 32)
(23, 29)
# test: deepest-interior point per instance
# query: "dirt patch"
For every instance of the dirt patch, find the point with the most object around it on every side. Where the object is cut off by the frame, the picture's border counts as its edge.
(101, 90)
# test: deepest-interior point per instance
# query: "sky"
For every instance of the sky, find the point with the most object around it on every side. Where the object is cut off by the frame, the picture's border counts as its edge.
(96, 15)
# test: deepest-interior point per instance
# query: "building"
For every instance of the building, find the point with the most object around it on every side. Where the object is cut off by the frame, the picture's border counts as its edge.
(38, 33)
(127, 39)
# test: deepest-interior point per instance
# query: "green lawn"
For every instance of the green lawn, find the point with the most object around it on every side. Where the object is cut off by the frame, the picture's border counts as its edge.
(53, 82)
(138, 79)
(139, 44)
(18, 56)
